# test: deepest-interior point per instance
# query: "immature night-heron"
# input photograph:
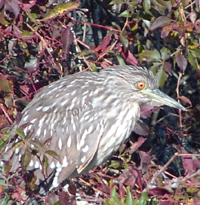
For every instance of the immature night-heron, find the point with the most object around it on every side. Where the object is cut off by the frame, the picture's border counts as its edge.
(83, 118)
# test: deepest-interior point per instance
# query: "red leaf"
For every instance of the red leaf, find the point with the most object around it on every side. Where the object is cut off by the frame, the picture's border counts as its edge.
(13, 6)
(104, 44)
(186, 100)
(146, 110)
(129, 177)
(137, 144)
(129, 57)
(28, 5)
(67, 38)
(158, 192)
(165, 31)
(182, 62)
(105, 64)
(188, 164)
(168, 68)
(141, 128)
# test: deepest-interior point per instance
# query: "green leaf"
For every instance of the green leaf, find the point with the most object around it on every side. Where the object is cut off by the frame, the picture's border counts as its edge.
(129, 200)
(45, 164)
(3, 142)
(195, 52)
(146, 5)
(57, 203)
(124, 40)
(106, 202)
(20, 132)
(150, 55)
(7, 166)
(26, 158)
(192, 60)
(140, 46)
(2, 19)
(124, 14)
(114, 196)
(38, 145)
(120, 60)
(33, 15)
(154, 68)
(60, 9)
(114, 164)
(5, 85)
(165, 53)
(161, 75)
(160, 22)
(143, 198)
(52, 153)
(26, 34)
(2, 182)
(161, 6)
(94, 67)
(117, 2)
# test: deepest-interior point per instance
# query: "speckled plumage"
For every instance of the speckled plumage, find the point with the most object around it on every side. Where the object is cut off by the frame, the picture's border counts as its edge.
(84, 118)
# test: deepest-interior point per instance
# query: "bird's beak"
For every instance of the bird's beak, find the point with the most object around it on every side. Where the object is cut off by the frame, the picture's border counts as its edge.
(161, 98)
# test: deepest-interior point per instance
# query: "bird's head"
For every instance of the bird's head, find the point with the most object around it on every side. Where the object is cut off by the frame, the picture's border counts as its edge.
(141, 86)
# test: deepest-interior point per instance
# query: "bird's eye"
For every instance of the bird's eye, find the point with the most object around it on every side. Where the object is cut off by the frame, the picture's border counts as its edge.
(141, 85)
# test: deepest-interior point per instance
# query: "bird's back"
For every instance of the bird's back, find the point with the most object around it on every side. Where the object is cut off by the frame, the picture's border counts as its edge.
(74, 124)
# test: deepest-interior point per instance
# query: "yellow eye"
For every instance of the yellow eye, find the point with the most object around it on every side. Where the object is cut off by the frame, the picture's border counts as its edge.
(141, 85)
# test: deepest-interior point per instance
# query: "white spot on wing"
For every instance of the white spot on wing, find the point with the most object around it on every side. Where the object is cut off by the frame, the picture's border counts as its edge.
(37, 165)
(39, 108)
(25, 130)
(73, 125)
(32, 121)
(60, 144)
(58, 165)
(55, 180)
(31, 163)
(83, 159)
(6, 149)
(17, 150)
(44, 109)
(65, 163)
(52, 165)
(41, 122)
(25, 118)
(69, 142)
(73, 92)
(52, 126)
(84, 135)
(90, 129)
(20, 156)
(38, 132)
(85, 149)
(78, 147)
(64, 103)
(45, 132)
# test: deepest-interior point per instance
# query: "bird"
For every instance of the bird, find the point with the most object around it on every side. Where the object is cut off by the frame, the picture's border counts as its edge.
(77, 122)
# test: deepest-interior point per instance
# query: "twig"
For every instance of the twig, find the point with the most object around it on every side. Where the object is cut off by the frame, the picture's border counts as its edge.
(3, 108)
(178, 96)
(158, 173)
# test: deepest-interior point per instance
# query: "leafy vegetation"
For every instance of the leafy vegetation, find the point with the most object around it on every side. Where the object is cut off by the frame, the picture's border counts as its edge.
(41, 41)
